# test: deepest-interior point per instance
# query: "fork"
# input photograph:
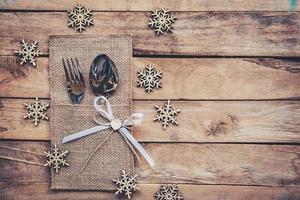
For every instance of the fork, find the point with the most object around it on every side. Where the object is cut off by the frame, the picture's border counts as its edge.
(74, 78)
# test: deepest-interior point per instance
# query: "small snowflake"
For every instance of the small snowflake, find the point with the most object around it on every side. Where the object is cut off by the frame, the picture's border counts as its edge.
(161, 21)
(29, 52)
(126, 184)
(168, 192)
(80, 17)
(56, 158)
(166, 114)
(36, 111)
(149, 78)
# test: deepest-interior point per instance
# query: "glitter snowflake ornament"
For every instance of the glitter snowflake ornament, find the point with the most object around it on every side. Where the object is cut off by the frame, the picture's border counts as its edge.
(36, 111)
(168, 192)
(149, 78)
(80, 17)
(126, 184)
(161, 21)
(28, 53)
(166, 114)
(56, 158)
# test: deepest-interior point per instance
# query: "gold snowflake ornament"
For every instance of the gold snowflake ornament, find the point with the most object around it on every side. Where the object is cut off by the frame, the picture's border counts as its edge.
(161, 21)
(166, 114)
(168, 192)
(149, 78)
(36, 111)
(28, 53)
(56, 158)
(126, 184)
(80, 17)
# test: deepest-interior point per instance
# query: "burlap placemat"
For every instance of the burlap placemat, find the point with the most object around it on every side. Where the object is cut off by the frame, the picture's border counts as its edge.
(66, 118)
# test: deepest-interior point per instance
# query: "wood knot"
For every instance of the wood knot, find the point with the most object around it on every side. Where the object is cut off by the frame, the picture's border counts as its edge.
(228, 124)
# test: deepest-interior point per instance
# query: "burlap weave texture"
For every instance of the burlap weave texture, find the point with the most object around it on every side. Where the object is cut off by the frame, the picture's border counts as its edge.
(66, 118)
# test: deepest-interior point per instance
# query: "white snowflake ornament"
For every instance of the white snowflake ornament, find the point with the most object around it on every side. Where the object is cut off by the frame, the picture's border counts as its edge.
(168, 192)
(166, 114)
(56, 158)
(161, 21)
(28, 53)
(126, 184)
(36, 111)
(80, 17)
(149, 78)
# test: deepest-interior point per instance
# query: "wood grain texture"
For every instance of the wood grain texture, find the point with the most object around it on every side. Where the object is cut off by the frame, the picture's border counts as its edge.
(25, 191)
(12, 117)
(22, 81)
(140, 5)
(183, 78)
(217, 78)
(266, 165)
(224, 121)
(195, 33)
(185, 154)
(199, 121)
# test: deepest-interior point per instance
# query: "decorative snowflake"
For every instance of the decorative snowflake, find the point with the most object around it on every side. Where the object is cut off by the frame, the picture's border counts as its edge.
(168, 192)
(80, 17)
(126, 184)
(29, 52)
(56, 158)
(36, 111)
(161, 21)
(149, 78)
(166, 114)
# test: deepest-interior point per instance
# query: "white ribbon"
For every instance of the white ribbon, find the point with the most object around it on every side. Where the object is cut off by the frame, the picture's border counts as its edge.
(116, 125)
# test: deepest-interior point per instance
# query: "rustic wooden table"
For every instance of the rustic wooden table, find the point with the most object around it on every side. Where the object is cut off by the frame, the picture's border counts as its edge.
(232, 67)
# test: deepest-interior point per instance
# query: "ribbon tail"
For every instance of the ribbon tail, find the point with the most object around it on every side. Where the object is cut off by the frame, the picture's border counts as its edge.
(137, 145)
(84, 133)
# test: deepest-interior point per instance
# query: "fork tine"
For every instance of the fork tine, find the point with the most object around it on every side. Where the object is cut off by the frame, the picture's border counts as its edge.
(75, 70)
(66, 71)
(80, 70)
(73, 73)
(71, 70)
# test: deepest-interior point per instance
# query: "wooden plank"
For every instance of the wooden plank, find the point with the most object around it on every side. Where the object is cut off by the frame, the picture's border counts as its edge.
(183, 78)
(12, 114)
(25, 191)
(224, 121)
(195, 33)
(233, 164)
(199, 121)
(19, 81)
(223, 78)
(140, 5)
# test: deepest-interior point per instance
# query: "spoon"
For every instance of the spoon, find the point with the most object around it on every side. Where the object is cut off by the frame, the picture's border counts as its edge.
(103, 76)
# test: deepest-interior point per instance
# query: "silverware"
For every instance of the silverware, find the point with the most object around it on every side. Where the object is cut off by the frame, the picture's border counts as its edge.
(103, 76)
(75, 81)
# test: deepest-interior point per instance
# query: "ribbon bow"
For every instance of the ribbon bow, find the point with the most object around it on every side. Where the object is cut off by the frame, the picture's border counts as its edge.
(116, 125)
